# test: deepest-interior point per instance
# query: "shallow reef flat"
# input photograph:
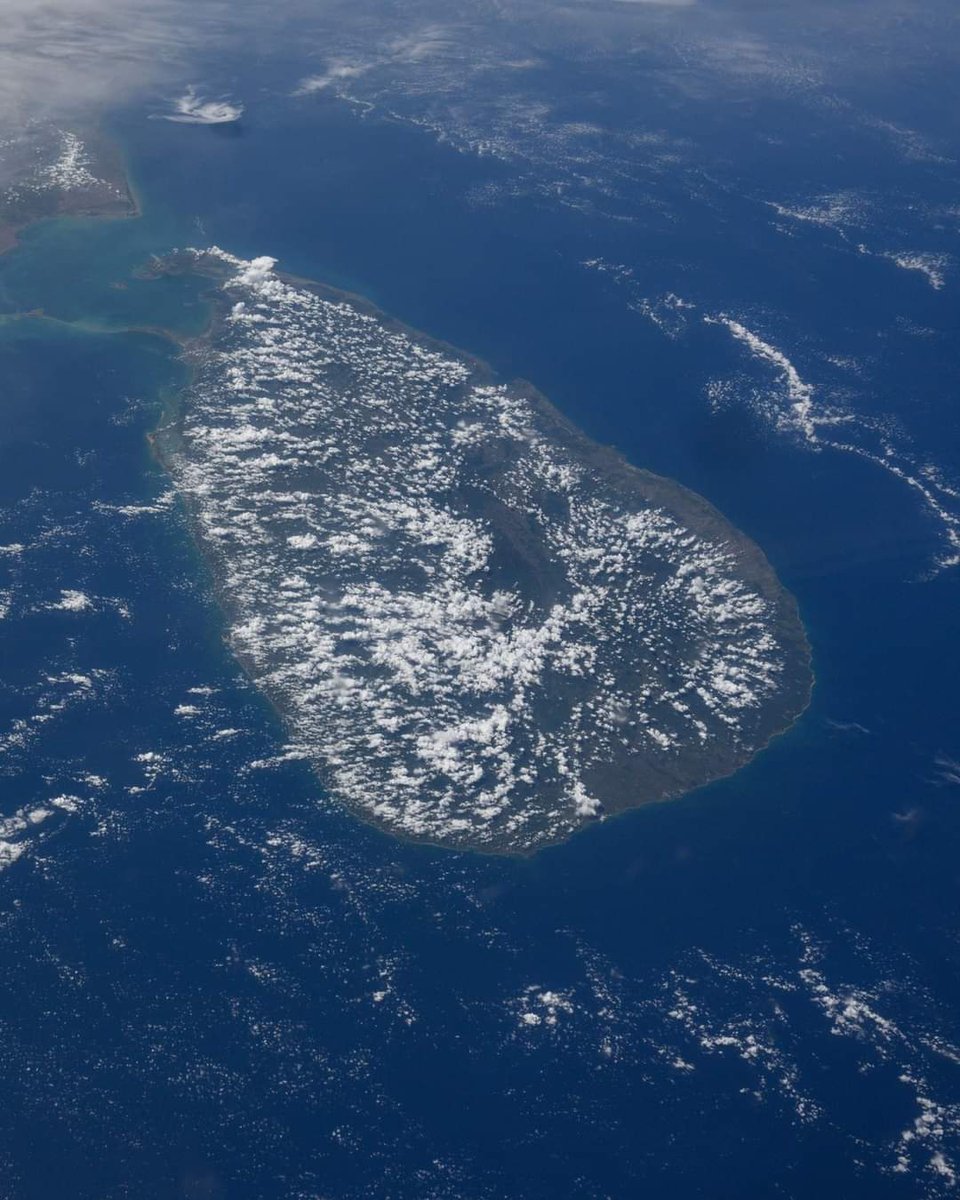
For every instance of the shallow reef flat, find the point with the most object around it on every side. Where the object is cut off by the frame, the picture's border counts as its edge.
(481, 627)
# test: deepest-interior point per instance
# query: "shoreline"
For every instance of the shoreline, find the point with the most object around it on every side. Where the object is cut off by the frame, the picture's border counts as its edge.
(120, 201)
(694, 510)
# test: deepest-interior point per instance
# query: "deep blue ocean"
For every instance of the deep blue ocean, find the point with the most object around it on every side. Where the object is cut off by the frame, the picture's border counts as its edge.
(214, 983)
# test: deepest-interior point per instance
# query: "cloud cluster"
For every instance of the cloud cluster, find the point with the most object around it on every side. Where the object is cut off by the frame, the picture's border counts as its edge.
(193, 109)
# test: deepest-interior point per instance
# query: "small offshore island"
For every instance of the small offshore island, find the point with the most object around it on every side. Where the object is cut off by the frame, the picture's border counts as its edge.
(482, 628)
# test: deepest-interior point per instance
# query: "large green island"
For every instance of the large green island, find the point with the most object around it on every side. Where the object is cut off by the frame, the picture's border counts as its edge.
(482, 628)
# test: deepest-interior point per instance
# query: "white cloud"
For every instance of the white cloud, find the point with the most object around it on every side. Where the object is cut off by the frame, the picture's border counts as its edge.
(73, 601)
(193, 109)
(336, 72)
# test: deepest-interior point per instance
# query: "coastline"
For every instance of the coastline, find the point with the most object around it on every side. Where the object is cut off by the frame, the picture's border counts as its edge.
(108, 196)
(623, 477)
(691, 508)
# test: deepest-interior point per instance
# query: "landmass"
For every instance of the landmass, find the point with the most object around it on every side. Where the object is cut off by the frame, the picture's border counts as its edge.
(47, 171)
(483, 629)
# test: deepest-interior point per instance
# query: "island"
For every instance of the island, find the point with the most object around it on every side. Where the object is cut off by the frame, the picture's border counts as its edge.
(483, 629)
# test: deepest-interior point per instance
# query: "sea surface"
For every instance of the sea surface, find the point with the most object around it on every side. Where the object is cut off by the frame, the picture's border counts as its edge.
(215, 983)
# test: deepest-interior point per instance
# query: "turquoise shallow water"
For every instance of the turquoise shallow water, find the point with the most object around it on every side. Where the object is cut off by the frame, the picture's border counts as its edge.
(215, 983)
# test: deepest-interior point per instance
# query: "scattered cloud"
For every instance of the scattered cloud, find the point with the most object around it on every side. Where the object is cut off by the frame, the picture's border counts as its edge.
(947, 770)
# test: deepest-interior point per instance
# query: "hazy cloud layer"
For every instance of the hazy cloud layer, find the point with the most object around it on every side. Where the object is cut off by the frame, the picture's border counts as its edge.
(64, 55)
(64, 58)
